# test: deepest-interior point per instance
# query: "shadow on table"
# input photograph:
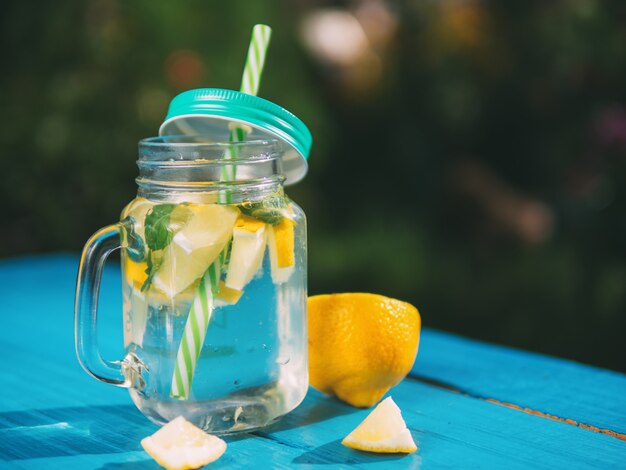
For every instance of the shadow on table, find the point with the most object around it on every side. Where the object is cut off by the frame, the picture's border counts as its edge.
(140, 465)
(66, 431)
(315, 408)
(334, 453)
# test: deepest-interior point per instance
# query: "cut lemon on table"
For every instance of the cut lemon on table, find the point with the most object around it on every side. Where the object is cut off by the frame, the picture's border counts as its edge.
(382, 431)
(246, 255)
(281, 247)
(195, 246)
(179, 445)
(360, 345)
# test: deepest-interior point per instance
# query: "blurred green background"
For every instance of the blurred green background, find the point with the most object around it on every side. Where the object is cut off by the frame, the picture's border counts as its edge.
(469, 156)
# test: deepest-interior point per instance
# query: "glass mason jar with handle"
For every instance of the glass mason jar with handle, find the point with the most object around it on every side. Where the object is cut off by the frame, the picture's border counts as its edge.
(213, 260)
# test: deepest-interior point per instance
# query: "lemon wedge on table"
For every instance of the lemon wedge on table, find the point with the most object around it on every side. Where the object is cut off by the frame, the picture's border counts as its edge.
(383, 430)
(179, 445)
(246, 255)
(195, 247)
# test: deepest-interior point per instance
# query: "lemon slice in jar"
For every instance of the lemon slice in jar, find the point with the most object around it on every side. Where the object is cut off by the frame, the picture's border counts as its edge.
(138, 209)
(195, 246)
(226, 295)
(281, 245)
(179, 445)
(246, 255)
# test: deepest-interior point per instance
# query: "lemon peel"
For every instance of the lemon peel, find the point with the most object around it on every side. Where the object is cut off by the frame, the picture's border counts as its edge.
(360, 345)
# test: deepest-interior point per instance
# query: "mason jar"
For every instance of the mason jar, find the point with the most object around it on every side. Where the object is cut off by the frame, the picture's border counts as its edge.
(213, 257)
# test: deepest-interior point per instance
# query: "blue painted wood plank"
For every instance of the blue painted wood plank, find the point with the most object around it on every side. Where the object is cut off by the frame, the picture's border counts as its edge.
(451, 430)
(550, 385)
(52, 415)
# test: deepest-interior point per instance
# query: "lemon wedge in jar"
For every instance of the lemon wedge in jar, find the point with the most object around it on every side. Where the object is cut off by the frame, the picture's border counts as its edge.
(383, 431)
(179, 445)
(226, 295)
(281, 247)
(246, 255)
(138, 209)
(195, 246)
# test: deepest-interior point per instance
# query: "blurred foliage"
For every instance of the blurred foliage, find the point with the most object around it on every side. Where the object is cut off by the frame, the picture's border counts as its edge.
(473, 162)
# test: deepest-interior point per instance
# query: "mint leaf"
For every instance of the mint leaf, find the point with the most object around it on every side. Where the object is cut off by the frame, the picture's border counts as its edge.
(161, 225)
(157, 229)
(271, 209)
(153, 267)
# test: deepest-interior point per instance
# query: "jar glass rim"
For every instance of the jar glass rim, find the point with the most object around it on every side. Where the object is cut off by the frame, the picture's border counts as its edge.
(203, 141)
(189, 149)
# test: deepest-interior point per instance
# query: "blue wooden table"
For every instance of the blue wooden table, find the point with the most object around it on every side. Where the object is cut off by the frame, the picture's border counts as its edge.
(467, 404)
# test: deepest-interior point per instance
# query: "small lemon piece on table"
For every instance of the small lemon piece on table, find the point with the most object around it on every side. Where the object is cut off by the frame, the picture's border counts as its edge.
(179, 445)
(383, 431)
(360, 345)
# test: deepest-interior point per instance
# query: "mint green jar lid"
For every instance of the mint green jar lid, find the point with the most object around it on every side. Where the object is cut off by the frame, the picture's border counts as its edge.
(213, 112)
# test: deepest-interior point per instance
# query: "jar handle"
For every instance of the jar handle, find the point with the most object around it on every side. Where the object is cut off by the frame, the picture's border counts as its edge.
(96, 251)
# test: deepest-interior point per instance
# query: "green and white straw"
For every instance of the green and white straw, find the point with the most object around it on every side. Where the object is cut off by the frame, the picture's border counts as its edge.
(255, 61)
(203, 304)
(195, 332)
(250, 82)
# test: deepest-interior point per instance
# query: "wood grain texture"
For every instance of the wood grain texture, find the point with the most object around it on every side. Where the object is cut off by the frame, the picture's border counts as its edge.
(53, 415)
(556, 387)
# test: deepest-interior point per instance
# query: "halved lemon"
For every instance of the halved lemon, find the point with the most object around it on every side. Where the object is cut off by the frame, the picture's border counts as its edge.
(179, 445)
(383, 431)
(360, 345)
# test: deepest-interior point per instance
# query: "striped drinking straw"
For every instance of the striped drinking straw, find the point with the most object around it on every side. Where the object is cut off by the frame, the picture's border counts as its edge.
(250, 81)
(202, 306)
